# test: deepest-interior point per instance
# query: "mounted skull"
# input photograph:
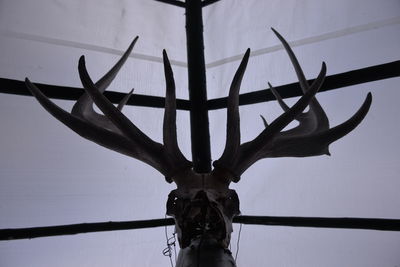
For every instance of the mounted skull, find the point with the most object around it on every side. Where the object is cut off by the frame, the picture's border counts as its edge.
(203, 205)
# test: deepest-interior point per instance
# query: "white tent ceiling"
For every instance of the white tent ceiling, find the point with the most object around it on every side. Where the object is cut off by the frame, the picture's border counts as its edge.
(51, 176)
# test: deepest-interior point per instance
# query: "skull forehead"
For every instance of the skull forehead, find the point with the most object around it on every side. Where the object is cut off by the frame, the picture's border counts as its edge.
(190, 182)
(193, 192)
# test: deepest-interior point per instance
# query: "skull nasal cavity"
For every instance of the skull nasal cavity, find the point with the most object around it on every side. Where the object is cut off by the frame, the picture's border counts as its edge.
(201, 195)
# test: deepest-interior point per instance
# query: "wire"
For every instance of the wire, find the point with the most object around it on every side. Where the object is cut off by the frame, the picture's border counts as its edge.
(238, 241)
(171, 242)
(175, 246)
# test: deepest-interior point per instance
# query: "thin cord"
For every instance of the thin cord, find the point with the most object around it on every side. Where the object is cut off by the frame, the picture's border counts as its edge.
(175, 246)
(237, 244)
(171, 241)
(167, 251)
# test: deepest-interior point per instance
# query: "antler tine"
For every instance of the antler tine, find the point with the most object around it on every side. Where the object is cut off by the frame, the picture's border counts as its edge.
(299, 72)
(119, 119)
(308, 121)
(83, 108)
(278, 98)
(169, 126)
(346, 127)
(315, 108)
(233, 119)
(283, 120)
(124, 100)
(84, 105)
(264, 121)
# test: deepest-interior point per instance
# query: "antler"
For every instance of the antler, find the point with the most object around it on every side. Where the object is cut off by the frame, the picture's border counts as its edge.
(310, 138)
(115, 131)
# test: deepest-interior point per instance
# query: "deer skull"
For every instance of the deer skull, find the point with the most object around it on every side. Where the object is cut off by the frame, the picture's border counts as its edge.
(203, 207)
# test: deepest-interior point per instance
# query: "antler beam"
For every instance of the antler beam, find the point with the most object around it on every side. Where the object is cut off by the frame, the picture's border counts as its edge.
(311, 138)
(115, 131)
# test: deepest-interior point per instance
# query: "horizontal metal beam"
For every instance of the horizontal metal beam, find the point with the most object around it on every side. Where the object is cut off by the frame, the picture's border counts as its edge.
(172, 2)
(15, 87)
(316, 222)
(319, 222)
(81, 228)
(208, 2)
(354, 77)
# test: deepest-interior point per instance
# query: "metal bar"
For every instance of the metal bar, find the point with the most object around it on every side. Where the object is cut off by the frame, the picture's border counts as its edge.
(15, 87)
(72, 229)
(345, 223)
(315, 222)
(172, 2)
(359, 76)
(200, 133)
(208, 2)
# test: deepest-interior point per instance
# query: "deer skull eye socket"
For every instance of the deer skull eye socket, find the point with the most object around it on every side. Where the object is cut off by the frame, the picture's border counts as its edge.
(231, 204)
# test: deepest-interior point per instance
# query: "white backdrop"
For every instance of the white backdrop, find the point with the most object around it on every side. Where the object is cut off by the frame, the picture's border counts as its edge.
(51, 176)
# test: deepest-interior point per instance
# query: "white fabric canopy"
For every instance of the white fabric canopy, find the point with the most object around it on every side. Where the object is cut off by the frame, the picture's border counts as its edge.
(51, 176)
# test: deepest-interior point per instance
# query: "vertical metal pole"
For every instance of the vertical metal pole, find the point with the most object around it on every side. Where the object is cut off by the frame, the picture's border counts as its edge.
(200, 134)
